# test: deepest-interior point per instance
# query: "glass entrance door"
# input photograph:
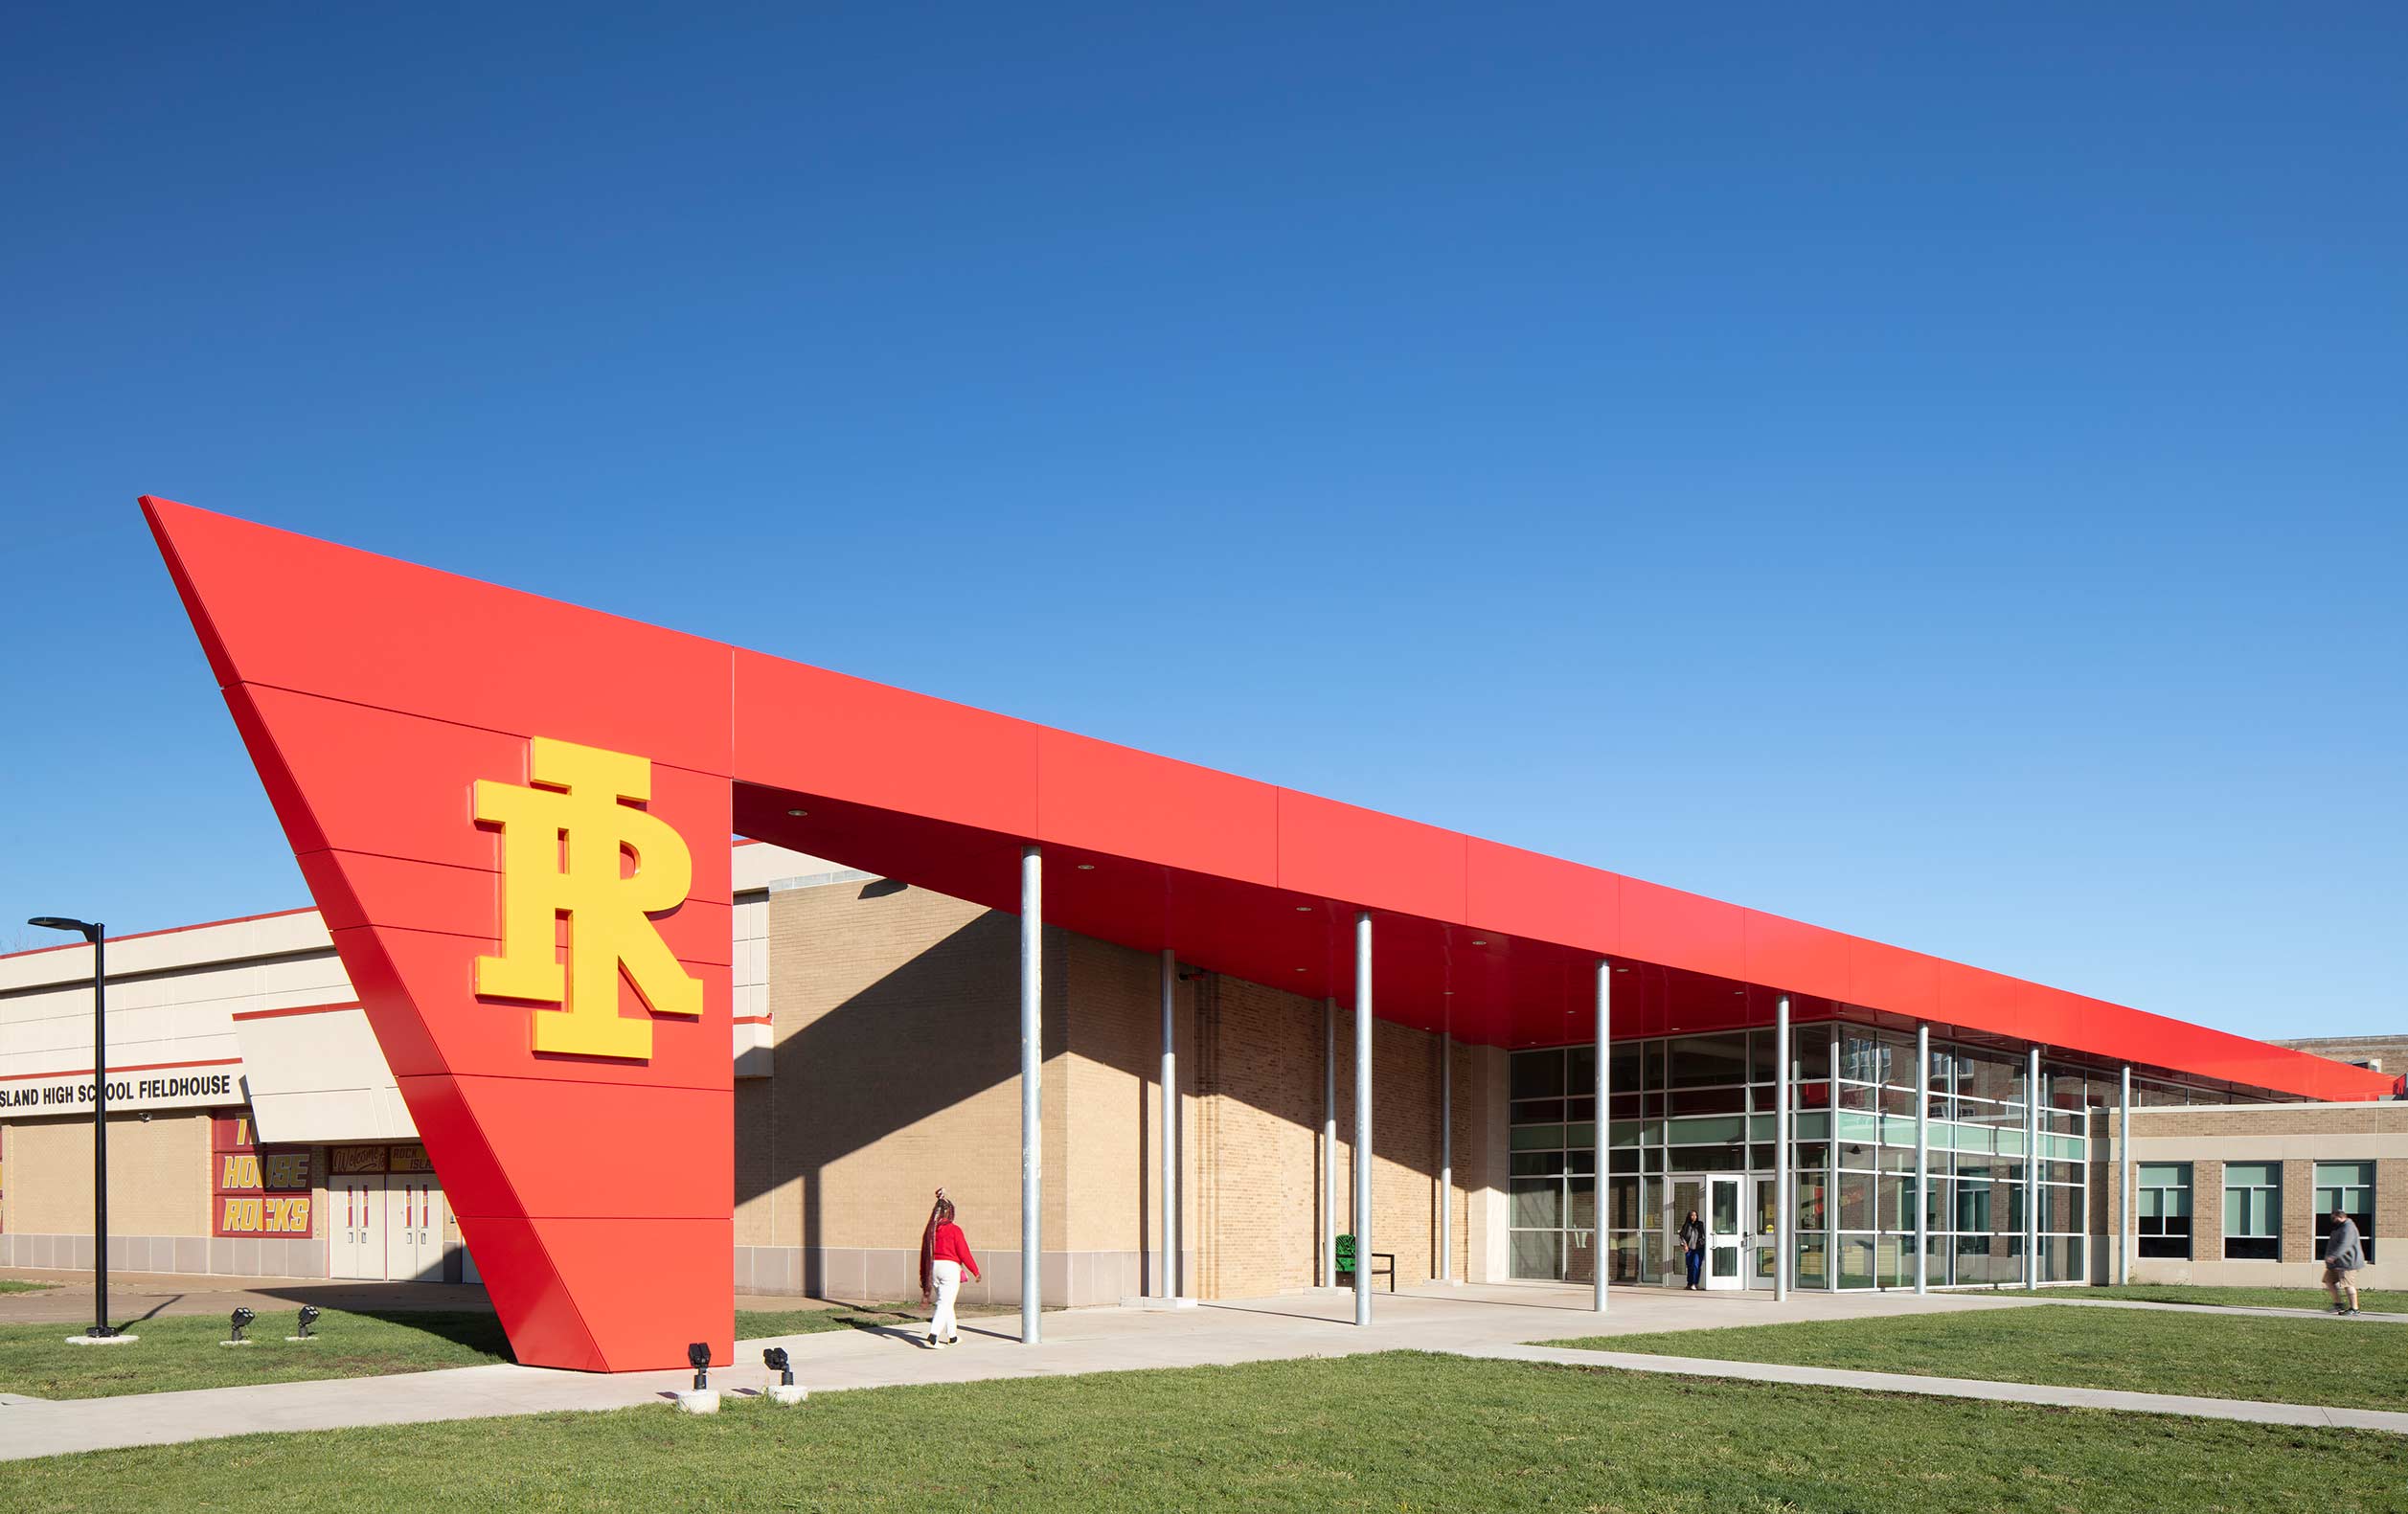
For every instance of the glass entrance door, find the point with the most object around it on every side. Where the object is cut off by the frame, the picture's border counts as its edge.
(1683, 1194)
(1726, 1235)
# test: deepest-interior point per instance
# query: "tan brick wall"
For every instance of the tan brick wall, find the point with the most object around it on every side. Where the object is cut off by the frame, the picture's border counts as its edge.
(1404, 1146)
(1260, 1055)
(2207, 1209)
(2295, 1136)
(2391, 1202)
(1113, 1149)
(2272, 1119)
(897, 1070)
(1481, 1160)
(896, 1018)
(2391, 1051)
(2298, 1219)
(158, 1175)
(756, 1183)
(2105, 1210)
(1258, 1059)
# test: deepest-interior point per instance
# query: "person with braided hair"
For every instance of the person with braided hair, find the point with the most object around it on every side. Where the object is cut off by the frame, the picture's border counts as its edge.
(944, 1254)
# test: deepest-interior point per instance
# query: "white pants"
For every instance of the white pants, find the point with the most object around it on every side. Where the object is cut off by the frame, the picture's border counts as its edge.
(947, 1277)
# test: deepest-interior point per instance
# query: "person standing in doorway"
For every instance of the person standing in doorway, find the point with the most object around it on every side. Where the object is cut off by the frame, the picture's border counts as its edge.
(2344, 1253)
(944, 1254)
(1693, 1248)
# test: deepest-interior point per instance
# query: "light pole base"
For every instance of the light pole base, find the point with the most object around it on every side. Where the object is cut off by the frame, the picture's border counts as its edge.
(1157, 1301)
(698, 1401)
(103, 1340)
(789, 1396)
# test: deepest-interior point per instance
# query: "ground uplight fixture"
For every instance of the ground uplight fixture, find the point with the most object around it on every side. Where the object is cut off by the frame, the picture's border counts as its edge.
(308, 1317)
(775, 1360)
(698, 1356)
(797, 814)
(241, 1320)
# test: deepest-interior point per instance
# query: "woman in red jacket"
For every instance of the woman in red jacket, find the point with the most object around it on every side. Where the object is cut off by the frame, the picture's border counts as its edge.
(944, 1254)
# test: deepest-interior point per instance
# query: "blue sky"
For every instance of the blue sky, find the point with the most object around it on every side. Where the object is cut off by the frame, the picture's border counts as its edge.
(1935, 475)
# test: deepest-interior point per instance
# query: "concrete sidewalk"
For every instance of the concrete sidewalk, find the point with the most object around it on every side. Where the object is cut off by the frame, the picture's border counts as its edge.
(2242, 1409)
(2262, 1311)
(1490, 1321)
(137, 1295)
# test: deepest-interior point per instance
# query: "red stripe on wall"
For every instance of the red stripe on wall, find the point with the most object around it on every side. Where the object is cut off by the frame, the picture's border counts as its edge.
(278, 1014)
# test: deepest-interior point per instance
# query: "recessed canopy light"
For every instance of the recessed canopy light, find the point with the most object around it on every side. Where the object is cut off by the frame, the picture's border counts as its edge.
(1447, 993)
(1622, 969)
(1480, 943)
(1087, 867)
(1299, 969)
(797, 813)
(1304, 909)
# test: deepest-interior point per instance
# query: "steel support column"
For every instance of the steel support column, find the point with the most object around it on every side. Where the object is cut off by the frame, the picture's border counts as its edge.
(1784, 1060)
(1605, 1139)
(1031, 1096)
(2031, 1173)
(1830, 1170)
(1363, 1117)
(2125, 1227)
(1922, 1159)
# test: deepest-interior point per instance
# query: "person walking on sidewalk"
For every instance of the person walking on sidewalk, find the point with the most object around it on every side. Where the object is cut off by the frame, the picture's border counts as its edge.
(1693, 1248)
(944, 1254)
(2344, 1253)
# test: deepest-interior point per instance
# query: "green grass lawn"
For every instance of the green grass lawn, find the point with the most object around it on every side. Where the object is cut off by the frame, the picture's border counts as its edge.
(21, 1285)
(2345, 1362)
(181, 1351)
(1397, 1431)
(2372, 1301)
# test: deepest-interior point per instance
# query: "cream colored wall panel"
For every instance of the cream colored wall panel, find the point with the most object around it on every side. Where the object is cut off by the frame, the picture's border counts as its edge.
(751, 916)
(231, 942)
(311, 1077)
(313, 975)
(758, 865)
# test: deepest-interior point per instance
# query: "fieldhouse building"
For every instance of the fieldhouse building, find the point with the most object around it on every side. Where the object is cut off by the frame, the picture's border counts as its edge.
(643, 1068)
(256, 1128)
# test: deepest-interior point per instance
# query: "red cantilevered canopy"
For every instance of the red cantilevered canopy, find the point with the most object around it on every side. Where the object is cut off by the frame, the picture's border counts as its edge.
(1492, 943)
(1488, 942)
(408, 723)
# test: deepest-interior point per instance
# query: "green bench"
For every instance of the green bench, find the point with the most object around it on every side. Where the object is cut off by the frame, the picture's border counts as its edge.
(1346, 1262)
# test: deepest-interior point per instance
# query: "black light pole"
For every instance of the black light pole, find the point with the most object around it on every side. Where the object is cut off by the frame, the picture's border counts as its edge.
(102, 1329)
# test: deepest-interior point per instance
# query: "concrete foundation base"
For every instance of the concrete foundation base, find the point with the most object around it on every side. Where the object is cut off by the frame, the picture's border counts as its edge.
(103, 1340)
(698, 1401)
(1152, 1300)
(781, 1394)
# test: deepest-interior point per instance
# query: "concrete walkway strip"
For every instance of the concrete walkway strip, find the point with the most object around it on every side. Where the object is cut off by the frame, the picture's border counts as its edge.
(2242, 1409)
(2259, 1310)
(1475, 1321)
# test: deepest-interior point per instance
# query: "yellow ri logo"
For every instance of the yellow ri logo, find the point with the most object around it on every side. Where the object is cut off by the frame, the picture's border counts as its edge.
(561, 839)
